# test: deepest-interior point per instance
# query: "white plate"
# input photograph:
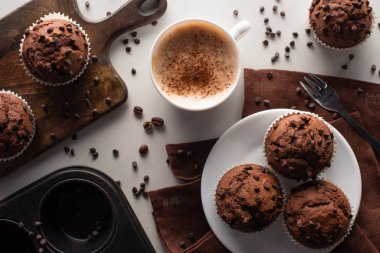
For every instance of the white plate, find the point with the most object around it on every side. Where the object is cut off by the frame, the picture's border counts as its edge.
(243, 142)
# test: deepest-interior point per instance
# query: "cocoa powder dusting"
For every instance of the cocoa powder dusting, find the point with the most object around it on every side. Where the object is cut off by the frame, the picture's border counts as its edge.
(195, 60)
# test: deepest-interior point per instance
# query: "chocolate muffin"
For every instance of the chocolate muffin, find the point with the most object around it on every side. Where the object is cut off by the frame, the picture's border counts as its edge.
(249, 198)
(55, 51)
(341, 23)
(16, 125)
(299, 146)
(317, 214)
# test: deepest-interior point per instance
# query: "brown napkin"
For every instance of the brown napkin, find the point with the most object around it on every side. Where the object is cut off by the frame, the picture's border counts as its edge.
(175, 222)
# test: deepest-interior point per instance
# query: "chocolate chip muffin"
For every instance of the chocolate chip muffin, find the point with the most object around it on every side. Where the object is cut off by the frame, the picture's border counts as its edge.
(317, 214)
(249, 198)
(299, 146)
(16, 125)
(55, 51)
(341, 23)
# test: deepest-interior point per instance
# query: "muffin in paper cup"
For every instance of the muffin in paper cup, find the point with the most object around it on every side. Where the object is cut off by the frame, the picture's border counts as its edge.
(249, 197)
(359, 15)
(319, 217)
(17, 128)
(55, 50)
(299, 145)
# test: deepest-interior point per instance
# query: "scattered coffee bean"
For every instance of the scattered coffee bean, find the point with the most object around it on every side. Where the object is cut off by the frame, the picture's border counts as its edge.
(266, 102)
(94, 58)
(72, 152)
(133, 71)
(275, 8)
(148, 125)
(128, 49)
(108, 101)
(308, 30)
(344, 66)
(335, 115)
(157, 121)
(92, 150)
(53, 136)
(257, 100)
(266, 20)
(309, 44)
(143, 149)
(133, 34)
(292, 43)
(298, 90)
(115, 153)
(137, 41)
(265, 42)
(95, 155)
(351, 56)
(235, 12)
(262, 9)
(287, 49)
(96, 79)
(146, 178)
(138, 110)
(66, 149)
(275, 57)
(125, 41)
(134, 164)
(50, 30)
(272, 35)
(268, 28)
(278, 32)
(269, 75)
(134, 190)
(287, 55)
(282, 13)
(373, 67)
(154, 23)
(87, 4)
(108, 13)
(295, 35)
(182, 245)
(359, 91)
(142, 185)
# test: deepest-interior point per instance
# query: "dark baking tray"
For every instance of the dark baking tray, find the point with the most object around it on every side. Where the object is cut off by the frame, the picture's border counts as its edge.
(81, 210)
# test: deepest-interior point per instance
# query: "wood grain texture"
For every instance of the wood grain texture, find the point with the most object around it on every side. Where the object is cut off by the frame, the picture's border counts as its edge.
(69, 98)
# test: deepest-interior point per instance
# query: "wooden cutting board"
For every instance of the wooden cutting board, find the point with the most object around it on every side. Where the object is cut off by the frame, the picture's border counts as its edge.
(62, 103)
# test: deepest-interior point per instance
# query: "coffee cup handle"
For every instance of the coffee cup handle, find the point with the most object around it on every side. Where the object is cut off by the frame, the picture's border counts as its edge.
(240, 29)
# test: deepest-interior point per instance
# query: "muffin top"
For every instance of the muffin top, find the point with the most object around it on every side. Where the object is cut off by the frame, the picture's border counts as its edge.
(16, 125)
(299, 146)
(249, 197)
(341, 23)
(317, 214)
(55, 51)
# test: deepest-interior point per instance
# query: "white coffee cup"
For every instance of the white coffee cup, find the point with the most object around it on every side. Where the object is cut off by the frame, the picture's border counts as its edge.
(200, 104)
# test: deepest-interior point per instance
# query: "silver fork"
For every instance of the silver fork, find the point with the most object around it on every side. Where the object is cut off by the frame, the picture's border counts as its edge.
(327, 97)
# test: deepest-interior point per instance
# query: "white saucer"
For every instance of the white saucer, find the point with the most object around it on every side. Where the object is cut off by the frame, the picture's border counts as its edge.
(243, 142)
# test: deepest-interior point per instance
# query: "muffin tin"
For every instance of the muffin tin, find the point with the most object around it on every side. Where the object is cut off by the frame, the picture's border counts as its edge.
(76, 209)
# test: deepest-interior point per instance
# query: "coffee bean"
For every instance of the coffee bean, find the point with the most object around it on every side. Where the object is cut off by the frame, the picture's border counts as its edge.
(50, 30)
(309, 44)
(269, 75)
(138, 110)
(292, 43)
(87, 4)
(136, 41)
(133, 71)
(72, 152)
(108, 13)
(295, 35)
(95, 155)
(94, 58)
(344, 66)
(128, 49)
(278, 32)
(308, 30)
(266, 20)
(351, 56)
(125, 41)
(257, 100)
(266, 102)
(146, 178)
(269, 29)
(373, 67)
(282, 13)
(142, 185)
(275, 8)
(262, 9)
(154, 23)
(157, 121)
(133, 34)
(265, 42)
(148, 125)
(235, 12)
(96, 80)
(134, 190)
(134, 164)
(92, 150)
(143, 149)
(115, 153)
(66, 149)
(287, 49)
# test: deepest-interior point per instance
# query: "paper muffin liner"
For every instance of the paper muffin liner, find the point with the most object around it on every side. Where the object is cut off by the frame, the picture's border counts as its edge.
(332, 246)
(294, 112)
(50, 16)
(283, 190)
(33, 119)
(347, 48)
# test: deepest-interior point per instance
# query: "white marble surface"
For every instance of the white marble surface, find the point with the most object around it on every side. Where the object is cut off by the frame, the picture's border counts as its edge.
(123, 131)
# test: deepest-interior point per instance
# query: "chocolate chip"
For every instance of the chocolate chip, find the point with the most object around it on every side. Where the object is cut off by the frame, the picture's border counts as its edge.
(235, 12)
(74, 137)
(50, 30)
(134, 34)
(266, 186)
(146, 178)
(115, 153)
(94, 58)
(292, 43)
(266, 102)
(66, 149)
(157, 121)
(269, 75)
(295, 35)
(134, 164)
(262, 10)
(148, 125)
(282, 13)
(125, 41)
(134, 190)
(95, 155)
(308, 30)
(136, 41)
(257, 189)
(154, 23)
(87, 4)
(373, 68)
(266, 20)
(128, 49)
(309, 44)
(351, 56)
(344, 66)
(275, 8)
(138, 110)
(72, 152)
(265, 42)
(92, 150)
(142, 185)
(272, 35)
(278, 32)
(108, 13)
(133, 71)
(61, 28)
(143, 149)
(287, 49)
